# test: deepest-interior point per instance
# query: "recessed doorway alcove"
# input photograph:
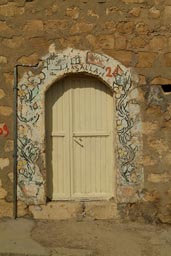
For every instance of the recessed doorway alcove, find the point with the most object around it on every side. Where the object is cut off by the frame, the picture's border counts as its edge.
(97, 110)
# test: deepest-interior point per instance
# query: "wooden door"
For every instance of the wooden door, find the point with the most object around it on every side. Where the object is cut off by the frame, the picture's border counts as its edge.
(79, 121)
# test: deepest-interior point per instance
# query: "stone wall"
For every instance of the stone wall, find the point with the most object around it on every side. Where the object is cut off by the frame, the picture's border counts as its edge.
(135, 32)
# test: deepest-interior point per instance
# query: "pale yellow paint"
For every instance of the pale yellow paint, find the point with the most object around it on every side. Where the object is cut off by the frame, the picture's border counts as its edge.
(79, 126)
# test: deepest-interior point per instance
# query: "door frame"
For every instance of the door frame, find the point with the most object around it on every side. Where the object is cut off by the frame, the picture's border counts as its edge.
(110, 195)
(31, 120)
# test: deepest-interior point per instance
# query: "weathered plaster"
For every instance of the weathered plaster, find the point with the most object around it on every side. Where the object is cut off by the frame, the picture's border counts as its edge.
(31, 120)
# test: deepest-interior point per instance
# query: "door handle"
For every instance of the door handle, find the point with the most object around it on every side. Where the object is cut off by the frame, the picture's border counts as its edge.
(79, 142)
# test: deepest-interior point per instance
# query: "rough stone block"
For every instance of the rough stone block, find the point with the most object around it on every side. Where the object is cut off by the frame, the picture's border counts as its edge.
(142, 28)
(92, 14)
(157, 178)
(138, 42)
(82, 27)
(4, 162)
(11, 10)
(134, 1)
(154, 13)
(125, 27)
(71, 252)
(149, 127)
(13, 43)
(111, 10)
(167, 14)
(3, 60)
(52, 25)
(158, 2)
(120, 42)
(160, 80)
(103, 42)
(167, 59)
(165, 218)
(6, 209)
(146, 59)
(73, 12)
(33, 28)
(3, 2)
(169, 42)
(127, 194)
(167, 157)
(11, 176)
(142, 80)
(159, 145)
(9, 79)
(20, 3)
(125, 57)
(6, 31)
(71, 41)
(142, 211)
(57, 210)
(151, 196)
(101, 210)
(165, 214)
(149, 160)
(136, 11)
(32, 59)
(158, 43)
(39, 44)
(9, 145)
(5, 110)
(52, 10)
(3, 192)
(22, 209)
(2, 94)
(110, 26)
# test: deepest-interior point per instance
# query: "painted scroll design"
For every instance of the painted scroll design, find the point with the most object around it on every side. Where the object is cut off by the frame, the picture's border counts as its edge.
(28, 148)
(28, 182)
(29, 153)
(127, 151)
(29, 111)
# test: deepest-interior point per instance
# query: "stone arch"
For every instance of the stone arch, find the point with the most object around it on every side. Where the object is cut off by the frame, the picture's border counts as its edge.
(31, 120)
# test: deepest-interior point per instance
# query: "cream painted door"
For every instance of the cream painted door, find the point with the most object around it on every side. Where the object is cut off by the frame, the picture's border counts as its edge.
(58, 141)
(80, 146)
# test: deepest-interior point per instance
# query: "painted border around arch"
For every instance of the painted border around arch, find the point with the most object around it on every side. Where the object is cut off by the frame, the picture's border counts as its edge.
(31, 120)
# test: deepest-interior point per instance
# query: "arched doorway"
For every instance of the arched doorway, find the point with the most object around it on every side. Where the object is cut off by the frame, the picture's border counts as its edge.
(79, 139)
(31, 128)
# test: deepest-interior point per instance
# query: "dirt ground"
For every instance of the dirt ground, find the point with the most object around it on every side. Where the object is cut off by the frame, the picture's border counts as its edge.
(105, 238)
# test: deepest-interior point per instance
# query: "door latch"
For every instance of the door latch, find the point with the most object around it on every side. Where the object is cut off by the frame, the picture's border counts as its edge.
(79, 142)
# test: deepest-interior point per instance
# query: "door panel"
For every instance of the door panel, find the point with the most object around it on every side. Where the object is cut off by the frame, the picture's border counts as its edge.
(57, 120)
(79, 119)
(92, 170)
